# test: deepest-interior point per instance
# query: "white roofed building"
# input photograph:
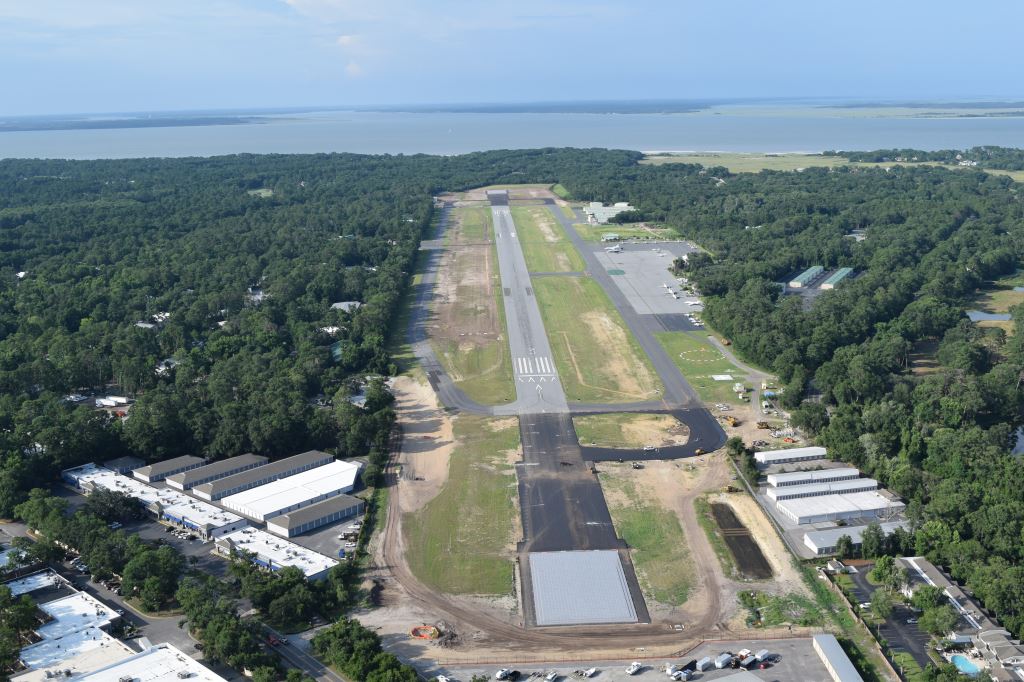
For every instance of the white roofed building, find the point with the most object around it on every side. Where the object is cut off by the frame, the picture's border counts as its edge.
(295, 492)
(274, 553)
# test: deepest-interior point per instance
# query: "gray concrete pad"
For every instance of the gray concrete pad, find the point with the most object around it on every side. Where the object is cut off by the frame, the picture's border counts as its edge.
(646, 281)
(571, 588)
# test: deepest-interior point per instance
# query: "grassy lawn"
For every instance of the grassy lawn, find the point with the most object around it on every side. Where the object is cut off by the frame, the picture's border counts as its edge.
(698, 360)
(459, 542)
(545, 245)
(560, 191)
(263, 193)
(593, 233)
(703, 510)
(771, 610)
(476, 223)
(484, 371)
(999, 297)
(659, 550)
(629, 430)
(597, 357)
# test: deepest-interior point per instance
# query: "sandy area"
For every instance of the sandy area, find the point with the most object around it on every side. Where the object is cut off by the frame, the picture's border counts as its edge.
(656, 429)
(427, 442)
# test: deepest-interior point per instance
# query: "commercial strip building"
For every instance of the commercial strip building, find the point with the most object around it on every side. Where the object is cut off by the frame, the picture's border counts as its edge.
(159, 663)
(315, 515)
(824, 542)
(808, 454)
(806, 277)
(295, 492)
(268, 473)
(154, 473)
(812, 476)
(835, 659)
(167, 505)
(187, 480)
(870, 504)
(793, 492)
(274, 553)
(836, 277)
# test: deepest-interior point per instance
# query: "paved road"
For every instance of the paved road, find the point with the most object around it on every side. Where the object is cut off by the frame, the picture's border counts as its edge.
(538, 388)
(900, 635)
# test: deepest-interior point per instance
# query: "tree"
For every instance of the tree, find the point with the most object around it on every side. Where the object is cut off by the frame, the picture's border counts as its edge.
(844, 547)
(938, 620)
(152, 576)
(881, 603)
(872, 541)
(928, 597)
(114, 505)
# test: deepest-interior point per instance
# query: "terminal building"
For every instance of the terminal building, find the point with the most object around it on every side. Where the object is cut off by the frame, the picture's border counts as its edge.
(870, 504)
(314, 516)
(274, 553)
(793, 492)
(294, 492)
(154, 473)
(808, 454)
(824, 542)
(812, 476)
(806, 277)
(165, 504)
(268, 473)
(187, 480)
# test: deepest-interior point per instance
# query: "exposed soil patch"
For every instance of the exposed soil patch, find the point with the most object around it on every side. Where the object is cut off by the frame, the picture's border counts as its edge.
(427, 442)
(749, 559)
(632, 379)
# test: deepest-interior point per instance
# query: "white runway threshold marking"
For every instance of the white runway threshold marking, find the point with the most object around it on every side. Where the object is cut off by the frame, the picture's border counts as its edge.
(535, 369)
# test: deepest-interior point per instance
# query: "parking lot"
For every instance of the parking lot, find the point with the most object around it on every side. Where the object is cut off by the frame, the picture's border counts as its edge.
(641, 272)
(796, 660)
(326, 540)
(900, 635)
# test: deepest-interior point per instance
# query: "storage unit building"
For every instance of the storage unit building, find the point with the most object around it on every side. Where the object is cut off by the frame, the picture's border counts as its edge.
(836, 277)
(792, 492)
(869, 504)
(282, 468)
(815, 476)
(315, 515)
(155, 473)
(187, 480)
(294, 492)
(823, 542)
(835, 659)
(806, 277)
(808, 454)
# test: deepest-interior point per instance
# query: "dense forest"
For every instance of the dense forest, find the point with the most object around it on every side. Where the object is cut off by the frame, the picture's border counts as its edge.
(999, 158)
(941, 439)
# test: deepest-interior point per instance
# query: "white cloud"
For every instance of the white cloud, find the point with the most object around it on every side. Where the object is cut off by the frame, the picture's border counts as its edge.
(347, 40)
(353, 70)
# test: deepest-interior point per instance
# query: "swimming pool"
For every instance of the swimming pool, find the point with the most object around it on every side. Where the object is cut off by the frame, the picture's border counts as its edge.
(964, 665)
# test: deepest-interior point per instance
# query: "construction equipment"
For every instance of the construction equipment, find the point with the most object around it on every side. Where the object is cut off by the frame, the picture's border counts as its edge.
(731, 420)
(763, 425)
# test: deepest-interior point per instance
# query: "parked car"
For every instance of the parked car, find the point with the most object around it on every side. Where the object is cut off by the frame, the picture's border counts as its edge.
(634, 668)
(911, 621)
(502, 674)
(551, 676)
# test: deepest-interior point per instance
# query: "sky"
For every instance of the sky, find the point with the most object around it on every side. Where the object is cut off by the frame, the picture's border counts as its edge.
(82, 56)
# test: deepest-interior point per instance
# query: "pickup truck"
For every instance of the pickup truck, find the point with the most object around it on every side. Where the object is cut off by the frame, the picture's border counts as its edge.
(633, 668)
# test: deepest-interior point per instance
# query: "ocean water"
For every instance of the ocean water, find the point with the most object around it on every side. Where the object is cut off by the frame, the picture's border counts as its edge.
(736, 128)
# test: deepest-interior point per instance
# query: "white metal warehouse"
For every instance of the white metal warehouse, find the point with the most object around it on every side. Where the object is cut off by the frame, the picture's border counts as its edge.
(793, 492)
(315, 515)
(823, 542)
(812, 476)
(295, 492)
(808, 454)
(869, 504)
(274, 553)
(236, 483)
(835, 659)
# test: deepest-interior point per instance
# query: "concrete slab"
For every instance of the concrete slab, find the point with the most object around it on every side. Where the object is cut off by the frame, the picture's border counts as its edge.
(580, 587)
(646, 281)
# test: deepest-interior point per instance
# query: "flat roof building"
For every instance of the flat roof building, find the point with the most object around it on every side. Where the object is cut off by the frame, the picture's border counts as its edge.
(36, 581)
(165, 504)
(236, 483)
(294, 492)
(808, 454)
(836, 277)
(315, 515)
(860, 505)
(274, 553)
(187, 480)
(597, 212)
(580, 587)
(806, 277)
(813, 476)
(124, 465)
(159, 663)
(824, 542)
(851, 485)
(79, 651)
(835, 659)
(154, 473)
